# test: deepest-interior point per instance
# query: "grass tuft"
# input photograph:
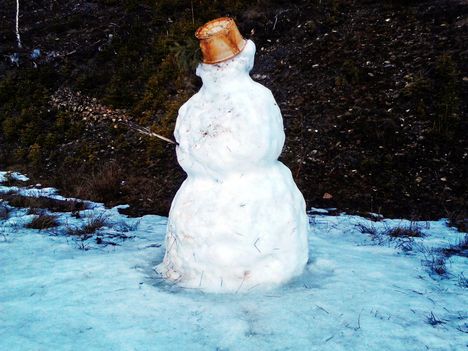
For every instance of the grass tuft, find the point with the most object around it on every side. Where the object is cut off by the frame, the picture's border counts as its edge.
(4, 211)
(92, 225)
(459, 249)
(411, 231)
(43, 221)
(367, 229)
(435, 264)
(125, 227)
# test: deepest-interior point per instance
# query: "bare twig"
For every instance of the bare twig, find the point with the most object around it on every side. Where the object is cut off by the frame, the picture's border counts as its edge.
(148, 132)
(193, 16)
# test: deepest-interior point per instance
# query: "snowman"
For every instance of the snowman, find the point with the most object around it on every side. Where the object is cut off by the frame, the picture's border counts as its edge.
(238, 221)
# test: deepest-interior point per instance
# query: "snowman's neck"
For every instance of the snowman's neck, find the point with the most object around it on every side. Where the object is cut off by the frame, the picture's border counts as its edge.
(224, 77)
(225, 81)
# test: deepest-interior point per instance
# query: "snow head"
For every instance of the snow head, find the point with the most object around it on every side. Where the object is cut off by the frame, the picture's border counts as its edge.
(221, 75)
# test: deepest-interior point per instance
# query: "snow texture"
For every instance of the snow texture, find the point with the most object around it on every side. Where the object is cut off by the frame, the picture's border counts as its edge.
(59, 293)
(239, 220)
(4, 176)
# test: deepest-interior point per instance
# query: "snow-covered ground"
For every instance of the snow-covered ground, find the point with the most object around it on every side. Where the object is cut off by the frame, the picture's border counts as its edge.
(63, 293)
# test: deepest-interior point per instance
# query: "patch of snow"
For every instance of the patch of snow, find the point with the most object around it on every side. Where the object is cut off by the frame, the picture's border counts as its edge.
(314, 210)
(61, 293)
(4, 176)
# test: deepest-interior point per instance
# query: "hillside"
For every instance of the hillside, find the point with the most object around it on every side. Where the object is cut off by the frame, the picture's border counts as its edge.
(373, 95)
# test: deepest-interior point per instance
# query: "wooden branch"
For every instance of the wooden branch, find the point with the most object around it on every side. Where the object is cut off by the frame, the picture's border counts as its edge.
(146, 131)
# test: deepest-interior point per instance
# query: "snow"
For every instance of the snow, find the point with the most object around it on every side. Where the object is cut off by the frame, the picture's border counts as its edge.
(13, 176)
(238, 221)
(60, 293)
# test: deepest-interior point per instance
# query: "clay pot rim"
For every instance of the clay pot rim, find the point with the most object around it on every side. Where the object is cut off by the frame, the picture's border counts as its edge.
(200, 35)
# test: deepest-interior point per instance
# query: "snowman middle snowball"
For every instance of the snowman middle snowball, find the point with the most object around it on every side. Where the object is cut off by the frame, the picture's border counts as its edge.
(238, 221)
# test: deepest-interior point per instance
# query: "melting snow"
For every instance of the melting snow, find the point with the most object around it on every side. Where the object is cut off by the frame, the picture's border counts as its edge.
(4, 176)
(62, 293)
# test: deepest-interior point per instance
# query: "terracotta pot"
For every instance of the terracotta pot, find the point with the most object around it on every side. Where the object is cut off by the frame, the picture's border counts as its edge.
(220, 40)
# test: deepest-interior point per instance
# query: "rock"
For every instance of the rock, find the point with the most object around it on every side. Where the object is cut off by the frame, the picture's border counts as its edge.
(327, 196)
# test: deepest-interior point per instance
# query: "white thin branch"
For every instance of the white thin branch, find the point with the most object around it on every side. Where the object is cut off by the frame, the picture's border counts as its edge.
(18, 37)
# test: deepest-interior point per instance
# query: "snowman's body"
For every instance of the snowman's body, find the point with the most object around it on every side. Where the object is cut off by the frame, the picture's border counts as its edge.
(238, 220)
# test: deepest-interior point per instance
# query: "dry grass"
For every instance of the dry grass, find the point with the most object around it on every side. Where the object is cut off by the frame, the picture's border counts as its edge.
(411, 231)
(435, 264)
(367, 229)
(125, 227)
(42, 202)
(43, 221)
(401, 236)
(92, 225)
(462, 281)
(102, 186)
(458, 249)
(459, 220)
(4, 211)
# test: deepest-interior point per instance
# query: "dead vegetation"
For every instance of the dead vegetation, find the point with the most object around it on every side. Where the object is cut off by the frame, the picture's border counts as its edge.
(462, 281)
(125, 227)
(4, 211)
(11, 180)
(458, 249)
(43, 203)
(91, 226)
(459, 220)
(399, 233)
(403, 237)
(369, 229)
(43, 221)
(410, 231)
(91, 229)
(435, 264)
(105, 185)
